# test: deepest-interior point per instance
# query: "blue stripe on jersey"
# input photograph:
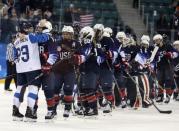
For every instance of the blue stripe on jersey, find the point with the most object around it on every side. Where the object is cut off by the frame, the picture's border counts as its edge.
(86, 49)
(17, 95)
(38, 38)
(32, 95)
(52, 58)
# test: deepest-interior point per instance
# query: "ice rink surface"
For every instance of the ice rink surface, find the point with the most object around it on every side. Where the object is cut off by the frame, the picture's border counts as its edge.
(120, 120)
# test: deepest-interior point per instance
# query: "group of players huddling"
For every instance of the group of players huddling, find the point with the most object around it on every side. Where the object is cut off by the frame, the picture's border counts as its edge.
(91, 70)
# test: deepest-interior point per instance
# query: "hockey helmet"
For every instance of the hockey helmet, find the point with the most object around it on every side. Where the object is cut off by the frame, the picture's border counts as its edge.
(68, 29)
(129, 40)
(145, 37)
(24, 27)
(46, 26)
(121, 36)
(67, 32)
(158, 39)
(176, 42)
(157, 36)
(107, 32)
(86, 34)
(176, 45)
(98, 27)
(144, 43)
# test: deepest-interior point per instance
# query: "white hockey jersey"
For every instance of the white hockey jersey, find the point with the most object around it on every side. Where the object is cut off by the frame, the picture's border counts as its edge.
(28, 55)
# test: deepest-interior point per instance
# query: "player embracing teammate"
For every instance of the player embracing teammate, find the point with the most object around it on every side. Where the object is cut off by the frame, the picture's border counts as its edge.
(28, 68)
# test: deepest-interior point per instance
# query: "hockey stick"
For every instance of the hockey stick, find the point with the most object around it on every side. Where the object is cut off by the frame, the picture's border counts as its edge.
(78, 91)
(171, 68)
(154, 52)
(154, 79)
(157, 83)
(115, 81)
(152, 102)
(114, 78)
(23, 89)
(7, 76)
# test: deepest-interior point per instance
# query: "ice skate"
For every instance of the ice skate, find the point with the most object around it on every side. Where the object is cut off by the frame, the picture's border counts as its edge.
(29, 115)
(17, 116)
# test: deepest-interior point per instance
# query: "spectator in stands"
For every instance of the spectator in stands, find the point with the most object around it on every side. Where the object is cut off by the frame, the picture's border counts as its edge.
(163, 24)
(13, 20)
(11, 68)
(23, 5)
(47, 4)
(30, 14)
(175, 23)
(37, 15)
(4, 12)
(47, 14)
(175, 4)
(23, 17)
(7, 8)
(68, 15)
(14, 11)
(13, 15)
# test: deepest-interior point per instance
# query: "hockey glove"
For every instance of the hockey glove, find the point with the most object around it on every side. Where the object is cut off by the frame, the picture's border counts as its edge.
(15, 55)
(46, 68)
(117, 66)
(126, 64)
(109, 54)
(169, 55)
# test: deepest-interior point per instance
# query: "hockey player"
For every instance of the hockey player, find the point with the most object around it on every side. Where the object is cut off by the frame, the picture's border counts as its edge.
(65, 69)
(89, 73)
(144, 69)
(119, 74)
(128, 53)
(48, 56)
(28, 68)
(109, 52)
(175, 62)
(165, 77)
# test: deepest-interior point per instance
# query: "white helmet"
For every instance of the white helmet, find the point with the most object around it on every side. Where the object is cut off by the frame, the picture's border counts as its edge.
(98, 27)
(107, 32)
(47, 25)
(145, 37)
(68, 29)
(146, 42)
(86, 33)
(129, 40)
(157, 36)
(176, 42)
(121, 34)
(121, 37)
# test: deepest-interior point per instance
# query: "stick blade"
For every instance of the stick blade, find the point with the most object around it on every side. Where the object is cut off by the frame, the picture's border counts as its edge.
(166, 112)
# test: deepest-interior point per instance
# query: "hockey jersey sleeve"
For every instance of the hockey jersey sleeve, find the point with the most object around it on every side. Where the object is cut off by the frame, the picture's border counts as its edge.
(15, 55)
(85, 51)
(109, 49)
(38, 38)
(53, 54)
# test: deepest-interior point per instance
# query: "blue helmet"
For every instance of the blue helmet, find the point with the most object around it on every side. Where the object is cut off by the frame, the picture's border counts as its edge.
(24, 26)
